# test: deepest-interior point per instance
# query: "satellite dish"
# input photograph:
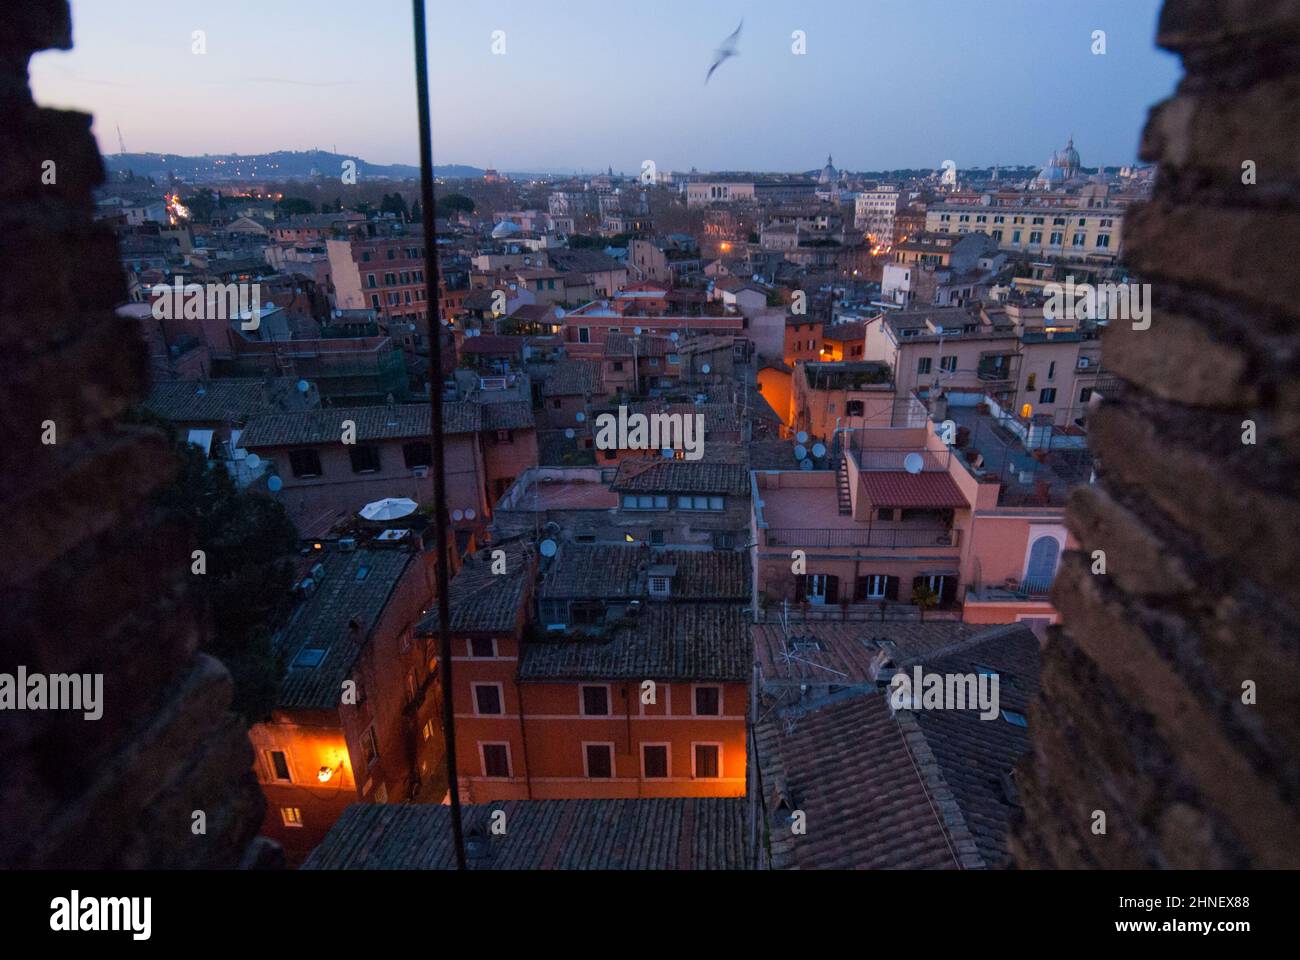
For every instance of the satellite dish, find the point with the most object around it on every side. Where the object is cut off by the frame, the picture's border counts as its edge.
(469, 513)
(580, 416)
(705, 369)
(801, 437)
(559, 312)
(913, 463)
(458, 515)
(569, 434)
(805, 465)
(548, 547)
(673, 336)
(274, 484)
(819, 450)
(303, 386)
(801, 452)
(668, 452)
(637, 331)
(253, 460)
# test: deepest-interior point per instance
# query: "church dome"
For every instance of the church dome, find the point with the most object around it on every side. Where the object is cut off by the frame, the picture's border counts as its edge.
(829, 174)
(1063, 166)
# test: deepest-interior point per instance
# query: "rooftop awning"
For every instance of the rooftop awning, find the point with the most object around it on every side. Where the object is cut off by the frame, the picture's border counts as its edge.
(897, 488)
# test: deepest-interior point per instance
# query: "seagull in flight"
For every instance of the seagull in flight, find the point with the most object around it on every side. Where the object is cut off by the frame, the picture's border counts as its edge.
(727, 50)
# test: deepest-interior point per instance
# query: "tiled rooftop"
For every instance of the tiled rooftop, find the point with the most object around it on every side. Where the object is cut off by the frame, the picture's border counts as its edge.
(616, 572)
(569, 378)
(222, 399)
(329, 628)
(685, 833)
(915, 790)
(507, 415)
(680, 476)
(483, 601)
(661, 642)
(841, 654)
(397, 422)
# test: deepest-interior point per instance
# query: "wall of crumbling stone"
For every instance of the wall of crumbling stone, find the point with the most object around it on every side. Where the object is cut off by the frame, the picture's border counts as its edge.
(91, 583)
(1143, 715)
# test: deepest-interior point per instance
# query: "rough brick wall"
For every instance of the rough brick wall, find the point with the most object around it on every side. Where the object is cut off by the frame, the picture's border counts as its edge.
(1141, 714)
(91, 583)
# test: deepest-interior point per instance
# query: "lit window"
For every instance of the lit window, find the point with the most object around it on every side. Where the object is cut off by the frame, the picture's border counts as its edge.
(706, 761)
(291, 816)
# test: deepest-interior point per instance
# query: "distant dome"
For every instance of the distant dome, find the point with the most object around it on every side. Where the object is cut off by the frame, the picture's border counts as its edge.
(1063, 166)
(504, 229)
(829, 174)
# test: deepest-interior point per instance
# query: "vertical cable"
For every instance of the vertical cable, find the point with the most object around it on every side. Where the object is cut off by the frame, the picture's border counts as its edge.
(433, 313)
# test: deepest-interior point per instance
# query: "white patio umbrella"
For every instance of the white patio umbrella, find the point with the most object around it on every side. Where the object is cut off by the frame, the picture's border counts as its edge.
(389, 508)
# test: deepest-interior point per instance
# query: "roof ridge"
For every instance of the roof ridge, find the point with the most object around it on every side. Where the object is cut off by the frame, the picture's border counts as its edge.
(941, 797)
(995, 632)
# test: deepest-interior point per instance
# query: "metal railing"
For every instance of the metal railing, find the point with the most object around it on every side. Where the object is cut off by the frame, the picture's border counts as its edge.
(896, 458)
(884, 537)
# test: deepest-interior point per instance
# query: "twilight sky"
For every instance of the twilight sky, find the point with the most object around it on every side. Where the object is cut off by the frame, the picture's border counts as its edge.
(586, 83)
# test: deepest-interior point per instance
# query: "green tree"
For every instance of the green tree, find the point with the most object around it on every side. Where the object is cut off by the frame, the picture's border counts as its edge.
(201, 204)
(394, 205)
(416, 212)
(452, 203)
(248, 542)
(293, 205)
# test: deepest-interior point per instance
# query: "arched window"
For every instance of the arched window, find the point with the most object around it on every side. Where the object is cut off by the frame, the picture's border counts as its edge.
(1043, 555)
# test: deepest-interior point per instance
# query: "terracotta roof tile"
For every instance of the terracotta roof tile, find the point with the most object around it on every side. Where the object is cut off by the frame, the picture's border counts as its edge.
(681, 476)
(399, 422)
(661, 642)
(681, 833)
(897, 488)
(329, 629)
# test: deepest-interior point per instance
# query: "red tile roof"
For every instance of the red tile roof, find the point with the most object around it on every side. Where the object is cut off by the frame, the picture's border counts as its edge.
(896, 488)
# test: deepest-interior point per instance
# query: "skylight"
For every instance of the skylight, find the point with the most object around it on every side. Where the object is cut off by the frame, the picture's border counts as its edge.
(309, 657)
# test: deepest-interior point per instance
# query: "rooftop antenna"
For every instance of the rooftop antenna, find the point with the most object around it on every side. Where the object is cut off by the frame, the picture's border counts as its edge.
(121, 144)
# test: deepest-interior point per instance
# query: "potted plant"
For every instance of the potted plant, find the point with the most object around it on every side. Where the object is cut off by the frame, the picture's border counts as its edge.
(924, 598)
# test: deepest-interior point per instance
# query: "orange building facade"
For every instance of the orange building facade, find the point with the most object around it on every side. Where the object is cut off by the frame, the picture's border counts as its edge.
(573, 717)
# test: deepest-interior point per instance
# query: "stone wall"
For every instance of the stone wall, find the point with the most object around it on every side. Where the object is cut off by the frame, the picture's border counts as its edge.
(1142, 715)
(91, 582)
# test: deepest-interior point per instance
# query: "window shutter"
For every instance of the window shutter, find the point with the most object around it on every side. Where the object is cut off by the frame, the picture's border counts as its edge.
(891, 588)
(800, 587)
(860, 589)
(832, 589)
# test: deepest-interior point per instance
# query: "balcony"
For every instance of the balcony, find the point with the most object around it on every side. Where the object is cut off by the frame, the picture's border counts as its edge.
(879, 537)
(989, 370)
(1031, 588)
(896, 458)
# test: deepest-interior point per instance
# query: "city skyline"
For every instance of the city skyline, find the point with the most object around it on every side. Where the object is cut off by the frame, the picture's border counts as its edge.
(561, 100)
